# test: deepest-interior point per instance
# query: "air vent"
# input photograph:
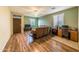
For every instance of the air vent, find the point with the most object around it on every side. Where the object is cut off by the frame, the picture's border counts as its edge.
(16, 16)
(53, 8)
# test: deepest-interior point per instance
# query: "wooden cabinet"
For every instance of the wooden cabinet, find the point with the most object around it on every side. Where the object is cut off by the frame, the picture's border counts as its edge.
(60, 32)
(74, 35)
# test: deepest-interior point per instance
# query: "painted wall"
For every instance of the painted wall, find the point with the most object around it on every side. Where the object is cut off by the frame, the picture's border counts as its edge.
(27, 21)
(78, 25)
(43, 21)
(5, 26)
(22, 24)
(70, 17)
(48, 20)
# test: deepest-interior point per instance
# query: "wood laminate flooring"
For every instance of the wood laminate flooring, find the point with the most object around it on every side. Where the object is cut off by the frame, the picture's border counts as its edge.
(25, 43)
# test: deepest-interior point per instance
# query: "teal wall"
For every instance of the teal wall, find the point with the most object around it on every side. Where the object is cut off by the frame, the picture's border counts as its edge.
(47, 20)
(27, 21)
(43, 21)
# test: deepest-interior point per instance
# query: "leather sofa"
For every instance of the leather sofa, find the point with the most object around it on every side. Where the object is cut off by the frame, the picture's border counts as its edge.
(40, 32)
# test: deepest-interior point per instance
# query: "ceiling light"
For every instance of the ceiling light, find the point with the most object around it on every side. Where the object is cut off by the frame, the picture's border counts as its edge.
(35, 10)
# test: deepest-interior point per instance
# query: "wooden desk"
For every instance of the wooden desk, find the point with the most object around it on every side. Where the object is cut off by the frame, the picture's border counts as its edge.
(73, 34)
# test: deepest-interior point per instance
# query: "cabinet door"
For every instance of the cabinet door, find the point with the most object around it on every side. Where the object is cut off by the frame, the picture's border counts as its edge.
(60, 32)
(74, 35)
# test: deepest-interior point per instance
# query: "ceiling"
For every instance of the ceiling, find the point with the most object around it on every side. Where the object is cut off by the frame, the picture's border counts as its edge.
(36, 11)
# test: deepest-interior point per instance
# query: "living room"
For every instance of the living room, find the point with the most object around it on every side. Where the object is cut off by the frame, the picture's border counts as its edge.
(68, 18)
(58, 25)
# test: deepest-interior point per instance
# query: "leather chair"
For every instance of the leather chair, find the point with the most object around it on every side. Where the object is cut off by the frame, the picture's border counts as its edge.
(27, 27)
(65, 31)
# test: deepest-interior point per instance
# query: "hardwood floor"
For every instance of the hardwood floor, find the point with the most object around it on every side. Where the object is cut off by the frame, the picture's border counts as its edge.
(26, 43)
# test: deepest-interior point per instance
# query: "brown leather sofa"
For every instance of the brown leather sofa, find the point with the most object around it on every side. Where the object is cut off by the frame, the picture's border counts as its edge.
(40, 32)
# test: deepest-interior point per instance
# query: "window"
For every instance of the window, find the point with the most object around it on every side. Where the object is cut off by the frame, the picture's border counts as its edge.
(32, 22)
(58, 20)
(42, 22)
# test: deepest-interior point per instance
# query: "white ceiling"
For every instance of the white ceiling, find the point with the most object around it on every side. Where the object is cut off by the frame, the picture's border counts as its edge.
(37, 11)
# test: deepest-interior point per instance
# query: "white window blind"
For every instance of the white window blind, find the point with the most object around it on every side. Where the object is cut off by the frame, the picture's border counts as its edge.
(58, 20)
